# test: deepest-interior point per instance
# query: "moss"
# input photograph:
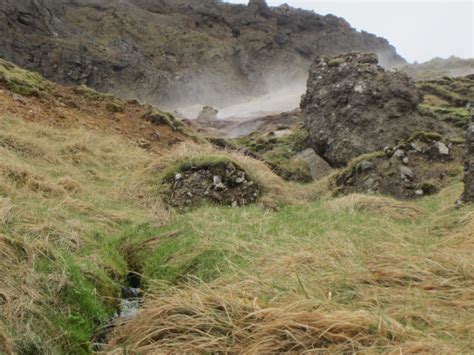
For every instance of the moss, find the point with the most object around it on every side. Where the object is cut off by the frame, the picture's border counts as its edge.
(161, 117)
(425, 137)
(353, 165)
(114, 107)
(21, 82)
(458, 116)
(336, 62)
(278, 153)
(90, 94)
(204, 162)
(457, 140)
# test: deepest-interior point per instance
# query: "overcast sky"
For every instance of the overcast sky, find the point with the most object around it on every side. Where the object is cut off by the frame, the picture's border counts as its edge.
(420, 30)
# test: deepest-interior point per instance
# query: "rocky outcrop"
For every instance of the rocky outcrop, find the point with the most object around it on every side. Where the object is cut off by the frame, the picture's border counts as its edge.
(208, 113)
(353, 106)
(418, 167)
(468, 195)
(174, 52)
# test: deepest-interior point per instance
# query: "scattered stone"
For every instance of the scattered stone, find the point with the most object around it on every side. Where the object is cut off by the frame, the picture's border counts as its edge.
(318, 167)
(406, 173)
(223, 183)
(399, 154)
(442, 148)
(363, 166)
(384, 173)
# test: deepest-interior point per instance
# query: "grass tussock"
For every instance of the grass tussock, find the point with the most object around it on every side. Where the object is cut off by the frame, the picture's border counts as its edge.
(20, 81)
(227, 318)
(385, 206)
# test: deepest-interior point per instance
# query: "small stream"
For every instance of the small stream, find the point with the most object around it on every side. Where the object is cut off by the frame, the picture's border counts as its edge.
(131, 300)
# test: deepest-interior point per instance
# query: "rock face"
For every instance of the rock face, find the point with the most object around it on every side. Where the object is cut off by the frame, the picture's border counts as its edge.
(468, 195)
(174, 52)
(353, 106)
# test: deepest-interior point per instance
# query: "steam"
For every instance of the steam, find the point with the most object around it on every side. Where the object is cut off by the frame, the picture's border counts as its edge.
(278, 92)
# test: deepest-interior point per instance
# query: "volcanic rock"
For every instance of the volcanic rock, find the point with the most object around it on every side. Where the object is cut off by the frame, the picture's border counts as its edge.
(468, 195)
(208, 113)
(424, 173)
(353, 106)
(223, 184)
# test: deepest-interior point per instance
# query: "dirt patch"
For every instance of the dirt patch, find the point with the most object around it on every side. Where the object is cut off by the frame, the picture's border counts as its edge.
(223, 183)
(416, 168)
(72, 107)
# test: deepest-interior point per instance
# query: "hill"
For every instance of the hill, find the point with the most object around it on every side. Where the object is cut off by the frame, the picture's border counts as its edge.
(175, 52)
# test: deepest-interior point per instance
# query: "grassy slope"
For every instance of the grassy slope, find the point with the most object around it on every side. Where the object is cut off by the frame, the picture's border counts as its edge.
(65, 197)
(406, 269)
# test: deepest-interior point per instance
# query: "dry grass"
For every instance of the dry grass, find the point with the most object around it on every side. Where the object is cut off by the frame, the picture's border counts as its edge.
(363, 274)
(227, 318)
(383, 205)
(60, 192)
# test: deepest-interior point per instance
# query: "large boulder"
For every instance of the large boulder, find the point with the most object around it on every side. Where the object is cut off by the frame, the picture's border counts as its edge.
(468, 195)
(353, 106)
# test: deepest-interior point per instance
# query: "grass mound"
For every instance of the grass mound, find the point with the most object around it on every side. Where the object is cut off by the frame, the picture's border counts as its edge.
(188, 156)
(383, 205)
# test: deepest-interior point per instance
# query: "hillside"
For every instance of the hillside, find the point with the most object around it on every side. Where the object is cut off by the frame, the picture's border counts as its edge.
(438, 68)
(175, 52)
(89, 211)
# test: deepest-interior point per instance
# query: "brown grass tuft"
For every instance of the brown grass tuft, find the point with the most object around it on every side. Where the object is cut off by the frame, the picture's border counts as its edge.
(5, 344)
(70, 185)
(228, 319)
(384, 205)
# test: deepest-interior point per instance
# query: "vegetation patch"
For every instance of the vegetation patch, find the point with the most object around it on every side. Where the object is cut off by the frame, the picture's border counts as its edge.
(280, 151)
(21, 82)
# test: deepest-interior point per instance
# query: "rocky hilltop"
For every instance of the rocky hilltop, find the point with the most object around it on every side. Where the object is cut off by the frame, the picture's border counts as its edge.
(174, 52)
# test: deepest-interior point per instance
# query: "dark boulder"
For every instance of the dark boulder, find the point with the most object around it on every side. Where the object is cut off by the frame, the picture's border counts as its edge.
(468, 195)
(353, 106)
